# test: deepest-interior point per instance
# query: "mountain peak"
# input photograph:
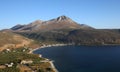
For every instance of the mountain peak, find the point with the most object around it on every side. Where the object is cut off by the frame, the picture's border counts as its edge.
(61, 22)
(63, 17)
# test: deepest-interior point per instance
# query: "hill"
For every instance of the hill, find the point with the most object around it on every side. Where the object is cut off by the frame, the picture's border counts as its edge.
(94, 37)
(12, 40)
(78, 36)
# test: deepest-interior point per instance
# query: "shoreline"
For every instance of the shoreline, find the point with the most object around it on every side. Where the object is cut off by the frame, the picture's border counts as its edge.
(53, 66)
(45, 46)
(55, 45)
(52, 45)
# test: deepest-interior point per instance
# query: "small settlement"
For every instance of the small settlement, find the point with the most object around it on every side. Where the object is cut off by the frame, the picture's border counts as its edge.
(21, 60)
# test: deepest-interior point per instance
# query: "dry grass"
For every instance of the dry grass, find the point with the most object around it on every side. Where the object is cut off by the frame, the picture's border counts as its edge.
(43, 67)
(24, 68)
(11, 40)
(2, 66)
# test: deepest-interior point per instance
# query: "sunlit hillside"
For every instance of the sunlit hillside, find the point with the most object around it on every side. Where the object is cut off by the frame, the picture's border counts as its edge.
(11, 40)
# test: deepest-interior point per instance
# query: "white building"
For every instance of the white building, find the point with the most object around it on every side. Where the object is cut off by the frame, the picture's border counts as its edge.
(26, 61)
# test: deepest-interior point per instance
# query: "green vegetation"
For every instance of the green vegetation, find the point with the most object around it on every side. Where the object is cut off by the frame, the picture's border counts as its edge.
(93, 37)
(20, 60)
(78, 36)
(12, 69)
(16, 56)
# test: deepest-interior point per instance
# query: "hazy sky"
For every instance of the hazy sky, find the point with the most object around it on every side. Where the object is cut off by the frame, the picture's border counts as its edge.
(96, 13)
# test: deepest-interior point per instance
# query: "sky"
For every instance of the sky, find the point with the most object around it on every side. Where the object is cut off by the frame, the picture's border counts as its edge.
(101, 14)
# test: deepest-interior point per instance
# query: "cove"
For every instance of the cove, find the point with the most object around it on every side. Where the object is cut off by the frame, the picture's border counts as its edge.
(83, 58)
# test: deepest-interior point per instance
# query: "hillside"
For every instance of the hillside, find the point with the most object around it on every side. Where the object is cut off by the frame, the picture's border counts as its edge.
(79, 36)
(64, 30)
(12, 40)
(94, 37)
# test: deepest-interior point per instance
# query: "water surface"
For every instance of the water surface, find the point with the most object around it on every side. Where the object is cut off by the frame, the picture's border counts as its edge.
(84, 58)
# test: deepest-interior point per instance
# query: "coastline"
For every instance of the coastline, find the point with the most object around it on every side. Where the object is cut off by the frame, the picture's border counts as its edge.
(45, 46)
(53, 66)
(53, 45)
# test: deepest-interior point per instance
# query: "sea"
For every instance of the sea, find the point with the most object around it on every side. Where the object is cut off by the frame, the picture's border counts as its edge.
(83, 58)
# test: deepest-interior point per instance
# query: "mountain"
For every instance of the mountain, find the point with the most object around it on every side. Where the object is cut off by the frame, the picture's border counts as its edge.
(64, 30)
(61, 22)
(79, 36)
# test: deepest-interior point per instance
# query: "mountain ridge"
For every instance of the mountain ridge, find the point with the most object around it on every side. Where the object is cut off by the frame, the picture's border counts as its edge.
(60, 22)
(64, 30)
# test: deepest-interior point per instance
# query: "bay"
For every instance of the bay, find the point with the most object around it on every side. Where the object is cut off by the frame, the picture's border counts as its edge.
(83, 58)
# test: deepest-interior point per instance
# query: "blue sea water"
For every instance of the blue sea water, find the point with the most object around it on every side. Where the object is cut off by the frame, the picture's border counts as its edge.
(83, 58)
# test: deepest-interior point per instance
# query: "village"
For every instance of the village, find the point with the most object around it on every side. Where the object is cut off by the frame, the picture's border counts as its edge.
(24, 60)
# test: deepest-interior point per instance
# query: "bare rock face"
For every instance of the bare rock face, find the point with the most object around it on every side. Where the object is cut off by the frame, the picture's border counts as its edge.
(62, 18)
(61, 22)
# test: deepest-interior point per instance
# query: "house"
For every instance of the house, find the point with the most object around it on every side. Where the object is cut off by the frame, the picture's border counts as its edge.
(40, 55)
(8, 50)
(26, 61)
(9, 65)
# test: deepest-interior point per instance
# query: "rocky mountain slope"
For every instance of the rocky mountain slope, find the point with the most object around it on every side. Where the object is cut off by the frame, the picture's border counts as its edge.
(61, 22)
